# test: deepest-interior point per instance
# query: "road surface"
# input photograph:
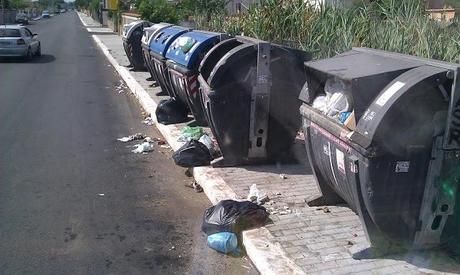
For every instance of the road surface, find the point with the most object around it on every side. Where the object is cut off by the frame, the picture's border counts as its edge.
(73, 200)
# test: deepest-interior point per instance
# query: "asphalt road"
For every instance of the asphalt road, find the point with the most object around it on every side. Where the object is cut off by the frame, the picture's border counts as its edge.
(73, 200)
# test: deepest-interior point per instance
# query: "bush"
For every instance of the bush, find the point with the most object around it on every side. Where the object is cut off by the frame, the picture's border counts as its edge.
(157, 11)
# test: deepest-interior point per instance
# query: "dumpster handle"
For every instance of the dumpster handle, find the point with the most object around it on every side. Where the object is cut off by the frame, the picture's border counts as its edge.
(260, 103)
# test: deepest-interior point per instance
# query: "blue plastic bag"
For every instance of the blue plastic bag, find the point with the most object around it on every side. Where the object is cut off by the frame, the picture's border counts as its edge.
(224, 242)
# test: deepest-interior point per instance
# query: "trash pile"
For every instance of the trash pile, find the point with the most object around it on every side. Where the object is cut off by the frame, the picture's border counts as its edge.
(337, 103)
(198, 149)
(171, 111)
(225, 221)
(146, 146)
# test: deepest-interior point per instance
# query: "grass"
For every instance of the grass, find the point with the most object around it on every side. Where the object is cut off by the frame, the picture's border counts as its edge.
(393, 25)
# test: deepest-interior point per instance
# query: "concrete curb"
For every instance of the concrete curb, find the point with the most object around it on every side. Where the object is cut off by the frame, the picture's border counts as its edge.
(268, 256)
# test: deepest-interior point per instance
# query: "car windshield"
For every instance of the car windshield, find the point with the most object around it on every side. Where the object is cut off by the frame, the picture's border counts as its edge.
(10, 33)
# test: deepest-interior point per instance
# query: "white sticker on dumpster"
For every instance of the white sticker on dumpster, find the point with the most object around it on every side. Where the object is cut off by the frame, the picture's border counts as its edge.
(383, 99)
(402, 166)
(340, 160)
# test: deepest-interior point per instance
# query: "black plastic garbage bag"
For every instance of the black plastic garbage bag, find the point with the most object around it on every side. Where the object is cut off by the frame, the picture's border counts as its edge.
(170, 111)
(192, 154)
(233, 216)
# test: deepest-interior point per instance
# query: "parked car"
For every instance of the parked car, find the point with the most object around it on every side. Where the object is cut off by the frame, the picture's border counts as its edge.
(46, 14)
(17, 40)
(22, 18)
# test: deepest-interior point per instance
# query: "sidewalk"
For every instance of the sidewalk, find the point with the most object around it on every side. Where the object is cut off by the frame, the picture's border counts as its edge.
(301, 239)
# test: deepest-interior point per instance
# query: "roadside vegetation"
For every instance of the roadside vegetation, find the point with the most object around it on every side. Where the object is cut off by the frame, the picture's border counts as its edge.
(393, 25)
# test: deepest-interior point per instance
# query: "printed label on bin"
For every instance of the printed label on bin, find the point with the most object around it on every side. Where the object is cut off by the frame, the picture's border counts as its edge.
(340, 156)
(393, 89)
(402, 166)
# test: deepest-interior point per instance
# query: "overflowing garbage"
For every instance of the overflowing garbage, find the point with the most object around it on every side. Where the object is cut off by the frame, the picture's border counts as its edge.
(337, 102)
(171, 111)
(224, 242)
(233, 216)
(225, 221)
(192, 154)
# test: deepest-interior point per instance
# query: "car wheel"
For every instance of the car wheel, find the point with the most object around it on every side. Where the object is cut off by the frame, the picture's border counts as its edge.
(39, 51)
(29, 54)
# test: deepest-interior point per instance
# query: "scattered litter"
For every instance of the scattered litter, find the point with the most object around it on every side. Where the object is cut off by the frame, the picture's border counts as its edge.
(197, 187)
(165, 146)
(120, 87)
(256, 196)
(224, 242)
(285, 212)
(137, 136)
(283, 176)
(188, 133)
(101, 194)
(172, 248)
(143, 148)
(325, 209)
(170, 111)
(148, 121)
(192, 154)
(189, 172)
(350, 243)
(233, 216)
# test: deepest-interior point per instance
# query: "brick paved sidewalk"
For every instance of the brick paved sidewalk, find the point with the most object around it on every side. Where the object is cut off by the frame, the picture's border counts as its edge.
(318, 240)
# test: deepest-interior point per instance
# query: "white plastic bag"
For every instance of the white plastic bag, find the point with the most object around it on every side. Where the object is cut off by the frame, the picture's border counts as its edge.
(143, 147)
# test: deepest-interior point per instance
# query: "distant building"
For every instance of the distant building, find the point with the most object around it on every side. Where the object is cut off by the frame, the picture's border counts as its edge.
(435, 4)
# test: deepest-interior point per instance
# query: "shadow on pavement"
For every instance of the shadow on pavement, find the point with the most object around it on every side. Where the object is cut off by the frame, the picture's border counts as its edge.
(438, 260)
(45, 58)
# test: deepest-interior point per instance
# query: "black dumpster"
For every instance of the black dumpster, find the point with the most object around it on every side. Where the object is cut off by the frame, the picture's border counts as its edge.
(249, 89)
(376, 136)
(184, 57)
(158, 47)
(132, 35)
(147, 37)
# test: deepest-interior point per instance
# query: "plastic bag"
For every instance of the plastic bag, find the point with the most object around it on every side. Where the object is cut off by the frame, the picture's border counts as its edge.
(338, 99)
(233, 216)
(143, 148)
(192, 154)
(257, 196)
(207, 141)
(188, 133)
(224, 242)
(170, 111)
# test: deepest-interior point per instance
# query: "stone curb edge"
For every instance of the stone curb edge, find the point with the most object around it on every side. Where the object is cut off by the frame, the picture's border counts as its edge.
(268, 257)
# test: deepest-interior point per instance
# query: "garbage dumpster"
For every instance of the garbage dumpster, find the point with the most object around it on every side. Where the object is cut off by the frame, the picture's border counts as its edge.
(132, 35)
(376, 136)
(158, 47)
(147, 37)
(184, 57)
(249, 88)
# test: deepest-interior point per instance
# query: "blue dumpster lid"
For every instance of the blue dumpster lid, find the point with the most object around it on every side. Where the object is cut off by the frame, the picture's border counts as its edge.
(150, 32)
(187, 49)
(162, 40)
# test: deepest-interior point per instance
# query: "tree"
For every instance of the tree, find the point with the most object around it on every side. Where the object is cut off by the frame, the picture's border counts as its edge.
(158, 11)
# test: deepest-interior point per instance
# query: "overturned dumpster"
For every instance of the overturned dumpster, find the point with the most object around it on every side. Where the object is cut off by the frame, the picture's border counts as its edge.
(183, 58)
(131, 36)
(147, 37)
(249, 90)
(382, 134)
(158, 47)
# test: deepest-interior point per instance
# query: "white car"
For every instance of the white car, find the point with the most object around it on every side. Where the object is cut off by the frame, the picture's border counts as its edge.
(16, 40)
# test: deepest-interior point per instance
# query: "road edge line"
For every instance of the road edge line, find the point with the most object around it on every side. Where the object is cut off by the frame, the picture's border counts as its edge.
(268, 257)
(81, 20)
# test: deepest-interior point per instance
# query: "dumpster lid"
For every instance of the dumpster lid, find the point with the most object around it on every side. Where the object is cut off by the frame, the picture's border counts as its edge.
(129, 28)
(153, 30)
(163, 39)
(355, 64)
(188, 47)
